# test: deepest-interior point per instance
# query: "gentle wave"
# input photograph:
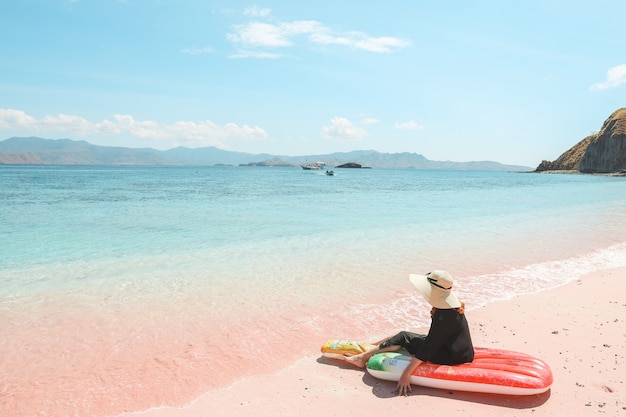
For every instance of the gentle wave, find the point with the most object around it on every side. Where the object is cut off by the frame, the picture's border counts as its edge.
(476, 291)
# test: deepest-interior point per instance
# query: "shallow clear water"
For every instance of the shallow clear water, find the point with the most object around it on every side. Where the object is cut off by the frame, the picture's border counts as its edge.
(144, 274)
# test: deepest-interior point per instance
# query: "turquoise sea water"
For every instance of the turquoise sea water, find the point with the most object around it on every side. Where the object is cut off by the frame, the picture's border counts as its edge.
(200, 256)
(224, 219)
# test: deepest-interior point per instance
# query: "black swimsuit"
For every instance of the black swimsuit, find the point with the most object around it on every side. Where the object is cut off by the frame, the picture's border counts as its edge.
(448, 341)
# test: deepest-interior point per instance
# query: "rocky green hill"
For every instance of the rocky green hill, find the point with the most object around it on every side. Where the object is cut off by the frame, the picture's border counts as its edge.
(603, 152)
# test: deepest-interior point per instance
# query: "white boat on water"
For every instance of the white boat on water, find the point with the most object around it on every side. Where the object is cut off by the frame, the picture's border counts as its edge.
(314, 165)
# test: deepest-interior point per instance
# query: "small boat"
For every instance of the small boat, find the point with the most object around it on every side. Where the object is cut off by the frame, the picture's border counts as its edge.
(330, 173)
(313, 166)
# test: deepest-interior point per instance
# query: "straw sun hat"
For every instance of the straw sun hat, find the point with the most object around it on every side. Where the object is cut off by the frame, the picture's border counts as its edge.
(436, 287)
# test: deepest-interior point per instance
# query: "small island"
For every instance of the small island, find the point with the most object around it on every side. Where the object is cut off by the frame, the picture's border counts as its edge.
(352, 165)
(274, 162)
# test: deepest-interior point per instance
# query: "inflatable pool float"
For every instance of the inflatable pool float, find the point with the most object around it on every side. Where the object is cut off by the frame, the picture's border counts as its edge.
(493, 371)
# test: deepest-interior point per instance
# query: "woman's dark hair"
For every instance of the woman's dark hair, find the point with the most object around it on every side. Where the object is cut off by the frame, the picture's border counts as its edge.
(460, 310)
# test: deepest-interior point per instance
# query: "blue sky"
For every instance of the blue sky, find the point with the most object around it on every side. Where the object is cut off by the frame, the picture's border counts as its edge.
(514, 82)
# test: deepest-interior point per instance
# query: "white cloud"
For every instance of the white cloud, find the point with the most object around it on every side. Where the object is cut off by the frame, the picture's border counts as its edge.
(267, 35)
(260, 34)
(257, 11)
(360, 40)
(255, 54)
(342, 129)
(204, 133)
(410, 125)
(615, 77)
(370, 121)
(382, 44)
(67, 123)
(10, 118)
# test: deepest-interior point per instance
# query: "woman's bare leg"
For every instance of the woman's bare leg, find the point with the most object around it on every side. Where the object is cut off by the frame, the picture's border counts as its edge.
(360, 360)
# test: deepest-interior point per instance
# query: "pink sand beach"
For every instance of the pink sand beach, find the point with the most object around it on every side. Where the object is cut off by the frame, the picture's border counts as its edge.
(578, 329)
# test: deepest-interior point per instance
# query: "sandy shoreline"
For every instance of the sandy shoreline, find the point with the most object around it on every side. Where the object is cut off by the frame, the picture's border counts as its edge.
(578, 329)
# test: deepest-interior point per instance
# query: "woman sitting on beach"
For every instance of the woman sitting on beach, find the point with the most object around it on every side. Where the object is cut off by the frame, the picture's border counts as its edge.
(448, 341)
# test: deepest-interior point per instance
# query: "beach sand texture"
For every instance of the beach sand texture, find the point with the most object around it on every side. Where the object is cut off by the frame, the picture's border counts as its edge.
(578, 329)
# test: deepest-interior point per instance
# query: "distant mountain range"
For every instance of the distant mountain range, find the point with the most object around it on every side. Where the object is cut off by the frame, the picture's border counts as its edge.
(39, 151)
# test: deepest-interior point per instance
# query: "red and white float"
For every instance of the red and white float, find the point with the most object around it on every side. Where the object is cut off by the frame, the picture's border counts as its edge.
(493, 371)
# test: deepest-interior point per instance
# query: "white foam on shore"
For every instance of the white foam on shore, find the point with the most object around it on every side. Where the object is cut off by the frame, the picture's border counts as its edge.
(410, 310)
(543, 276)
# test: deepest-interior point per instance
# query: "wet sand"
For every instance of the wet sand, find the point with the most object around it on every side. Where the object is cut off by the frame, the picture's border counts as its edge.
(578, 329)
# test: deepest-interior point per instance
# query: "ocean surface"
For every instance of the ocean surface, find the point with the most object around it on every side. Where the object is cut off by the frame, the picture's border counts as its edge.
(126, 288)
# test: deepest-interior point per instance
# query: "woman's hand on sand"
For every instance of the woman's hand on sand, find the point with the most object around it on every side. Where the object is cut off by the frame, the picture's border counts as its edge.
(404, 385)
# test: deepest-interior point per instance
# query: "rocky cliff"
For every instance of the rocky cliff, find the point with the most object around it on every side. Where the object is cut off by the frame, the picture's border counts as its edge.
(602, 152)
(607, 151)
